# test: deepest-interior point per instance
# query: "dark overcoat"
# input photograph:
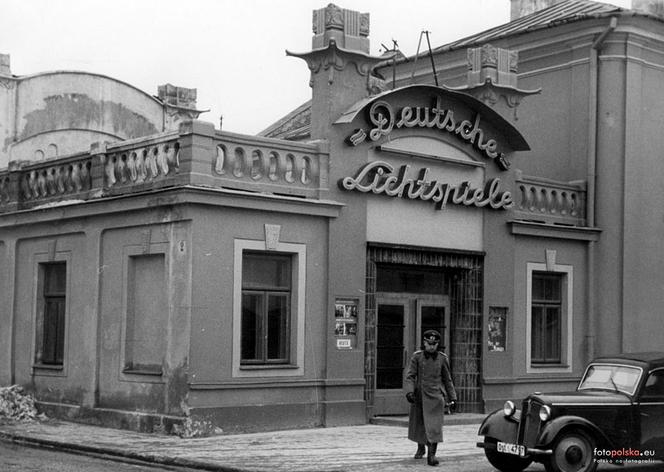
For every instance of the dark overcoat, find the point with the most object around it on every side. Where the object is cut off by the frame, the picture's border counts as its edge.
(426, 378)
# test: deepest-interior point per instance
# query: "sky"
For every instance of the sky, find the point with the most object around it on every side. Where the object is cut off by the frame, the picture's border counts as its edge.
(231, 51)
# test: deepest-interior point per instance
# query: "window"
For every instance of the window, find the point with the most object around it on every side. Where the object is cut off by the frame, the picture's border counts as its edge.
(546, 311)
(269, 309)
(52, 307)
(549, 317)
(266, 307)
(654, 387)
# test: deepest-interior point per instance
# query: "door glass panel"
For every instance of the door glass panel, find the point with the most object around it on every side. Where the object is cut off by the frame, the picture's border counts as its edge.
(433, 317)
(389, 346)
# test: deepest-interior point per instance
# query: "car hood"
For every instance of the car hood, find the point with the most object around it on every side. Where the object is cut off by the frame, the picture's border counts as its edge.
(583, 397)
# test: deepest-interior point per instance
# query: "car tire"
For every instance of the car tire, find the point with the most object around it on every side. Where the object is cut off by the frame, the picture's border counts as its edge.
(572, 452)
(506, 462)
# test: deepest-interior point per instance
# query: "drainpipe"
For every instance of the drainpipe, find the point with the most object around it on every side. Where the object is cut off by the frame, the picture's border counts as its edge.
(591, 180)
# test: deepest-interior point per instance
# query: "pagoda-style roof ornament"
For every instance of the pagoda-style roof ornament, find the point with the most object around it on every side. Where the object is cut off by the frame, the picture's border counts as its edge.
(492, 74)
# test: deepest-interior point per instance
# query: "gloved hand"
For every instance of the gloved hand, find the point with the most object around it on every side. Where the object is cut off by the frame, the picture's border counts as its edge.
(410, 397)
(453, 406)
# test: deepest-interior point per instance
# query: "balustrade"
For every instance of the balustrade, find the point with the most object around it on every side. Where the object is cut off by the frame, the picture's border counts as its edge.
(550, 202)
(4, 189)
(56, 180)
(268, 166)
(228, 160)
(144, 164)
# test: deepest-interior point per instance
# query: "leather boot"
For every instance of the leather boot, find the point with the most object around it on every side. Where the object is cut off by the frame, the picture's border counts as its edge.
(431, 455)
(420, 452)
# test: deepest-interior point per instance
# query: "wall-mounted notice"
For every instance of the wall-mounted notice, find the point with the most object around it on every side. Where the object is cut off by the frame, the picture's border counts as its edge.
(497, 327)
(345, 322)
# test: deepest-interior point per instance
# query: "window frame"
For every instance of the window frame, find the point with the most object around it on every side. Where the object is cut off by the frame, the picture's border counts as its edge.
(647, 397)
(265, 292)
(547, 307)
(58, 299)
(296, 339)
(41, 260)
(566, 318)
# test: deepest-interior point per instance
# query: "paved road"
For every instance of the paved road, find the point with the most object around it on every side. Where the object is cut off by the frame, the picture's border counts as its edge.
(16, 458)
(479, 464)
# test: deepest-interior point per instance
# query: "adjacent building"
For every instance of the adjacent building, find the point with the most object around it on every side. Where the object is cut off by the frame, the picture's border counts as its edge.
(159, 268)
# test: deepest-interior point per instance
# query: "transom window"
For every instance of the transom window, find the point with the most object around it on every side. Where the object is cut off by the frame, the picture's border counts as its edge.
(546, 312)
(266, 308)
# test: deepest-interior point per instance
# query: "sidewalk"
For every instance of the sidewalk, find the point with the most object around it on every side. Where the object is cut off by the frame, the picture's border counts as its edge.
(311, 450)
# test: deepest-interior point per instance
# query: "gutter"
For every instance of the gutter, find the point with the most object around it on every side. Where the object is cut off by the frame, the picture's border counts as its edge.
(592, 156)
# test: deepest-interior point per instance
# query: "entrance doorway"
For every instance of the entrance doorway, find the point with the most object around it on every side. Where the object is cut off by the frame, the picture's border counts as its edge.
(409, 273)
(401, 320)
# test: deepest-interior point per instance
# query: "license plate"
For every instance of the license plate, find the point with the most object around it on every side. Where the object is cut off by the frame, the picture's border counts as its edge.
(509, 448)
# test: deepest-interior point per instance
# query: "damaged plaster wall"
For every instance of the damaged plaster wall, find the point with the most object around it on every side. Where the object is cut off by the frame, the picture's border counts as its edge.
(60, 113)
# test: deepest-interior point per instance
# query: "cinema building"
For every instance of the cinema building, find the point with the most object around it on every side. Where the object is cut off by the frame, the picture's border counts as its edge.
(158, 268)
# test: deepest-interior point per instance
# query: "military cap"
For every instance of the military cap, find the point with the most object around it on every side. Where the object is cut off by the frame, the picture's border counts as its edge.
(431, 335)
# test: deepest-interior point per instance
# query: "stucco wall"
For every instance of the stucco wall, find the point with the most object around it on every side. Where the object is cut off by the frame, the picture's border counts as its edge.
(93, 107)
(216, 386)
(75, 382)
(5, 317)
(506, 374)
(642, 236)
(130, 388)
(96, 250)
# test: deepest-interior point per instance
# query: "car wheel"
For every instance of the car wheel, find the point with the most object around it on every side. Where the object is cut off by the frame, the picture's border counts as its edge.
(572, 452)
(506, 462)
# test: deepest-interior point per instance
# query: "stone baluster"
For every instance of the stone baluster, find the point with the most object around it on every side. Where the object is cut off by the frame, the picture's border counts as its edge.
(131, 167)
(141, 168)
(162, 161)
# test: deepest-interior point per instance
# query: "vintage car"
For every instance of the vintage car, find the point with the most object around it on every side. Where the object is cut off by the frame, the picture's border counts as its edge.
(616, 415)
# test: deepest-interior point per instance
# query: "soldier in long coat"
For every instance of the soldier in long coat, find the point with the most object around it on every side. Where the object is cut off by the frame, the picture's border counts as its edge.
(428, 373)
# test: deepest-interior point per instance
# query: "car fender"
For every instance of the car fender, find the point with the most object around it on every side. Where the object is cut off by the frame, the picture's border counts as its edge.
(554, 427)
(497, 426)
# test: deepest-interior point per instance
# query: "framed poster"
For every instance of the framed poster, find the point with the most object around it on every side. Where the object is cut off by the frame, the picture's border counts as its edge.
(345, 322)
(497, 328)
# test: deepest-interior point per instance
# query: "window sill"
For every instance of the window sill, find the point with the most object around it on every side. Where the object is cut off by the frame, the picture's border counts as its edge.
(268, 367)
(155, 373)
(50, 367)
(49, 370)
(547, 369)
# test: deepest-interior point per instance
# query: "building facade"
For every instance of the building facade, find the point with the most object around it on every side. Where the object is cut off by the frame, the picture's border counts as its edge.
(174, 270)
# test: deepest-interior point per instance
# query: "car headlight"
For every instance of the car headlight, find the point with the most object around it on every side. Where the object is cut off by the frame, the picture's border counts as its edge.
(509, 408)
(545, 413)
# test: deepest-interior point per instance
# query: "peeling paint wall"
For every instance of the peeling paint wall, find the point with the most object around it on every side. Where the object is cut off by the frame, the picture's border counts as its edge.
(99, 285)
(8, 87)
(160, 384)
(56, 114)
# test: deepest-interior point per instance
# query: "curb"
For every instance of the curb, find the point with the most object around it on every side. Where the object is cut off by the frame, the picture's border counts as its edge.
(403, 422)
(116, 454)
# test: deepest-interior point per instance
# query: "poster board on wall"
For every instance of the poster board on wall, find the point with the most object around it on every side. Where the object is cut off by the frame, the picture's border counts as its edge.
(345, 322)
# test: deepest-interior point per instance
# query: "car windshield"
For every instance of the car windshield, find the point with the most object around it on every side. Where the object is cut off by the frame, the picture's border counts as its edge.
(613, 377)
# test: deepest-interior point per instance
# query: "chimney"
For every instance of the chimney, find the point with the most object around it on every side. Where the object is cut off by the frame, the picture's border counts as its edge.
(526, 7)
(650, 7)
(4, 65)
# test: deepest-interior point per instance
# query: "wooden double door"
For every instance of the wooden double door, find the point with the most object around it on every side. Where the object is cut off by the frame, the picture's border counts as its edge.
(401, 320)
